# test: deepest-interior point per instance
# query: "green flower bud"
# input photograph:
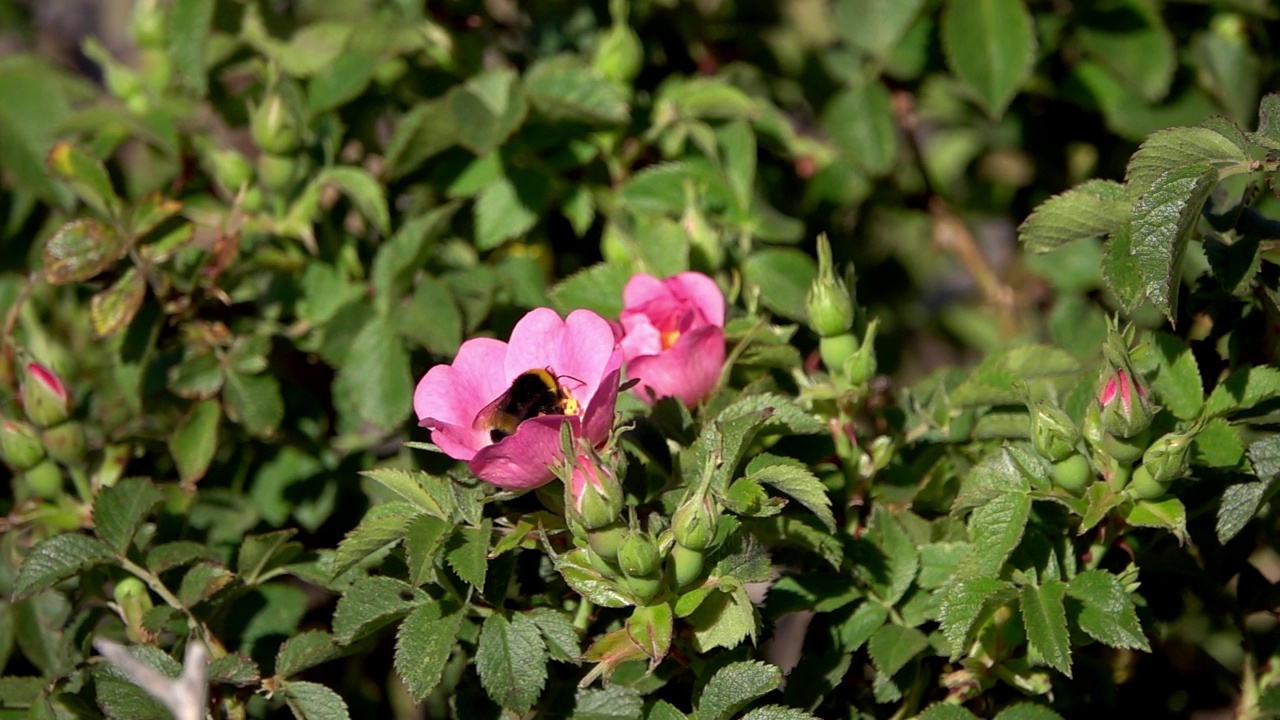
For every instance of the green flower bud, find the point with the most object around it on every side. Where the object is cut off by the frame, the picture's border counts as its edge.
(1143, 486)
(606, 541)
(1072, 473)
(273, 126)
(638, 556)
(134, 600)
(695, 523)
(601, 565)
(148, 25)
(1168, 457)
(620, 54)
(65, 442)
(44, 480)
(837, 350)
(44, 398)
(644, 588)
(230, 168)
(1092, 429)
(594, 494)
(828, 305)
(686, 565)
(276, 172)
(1052, 432)
(860, 367)
(20, 446)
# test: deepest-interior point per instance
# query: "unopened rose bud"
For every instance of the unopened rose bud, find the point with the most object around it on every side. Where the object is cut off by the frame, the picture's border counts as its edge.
(1167, 458)
(638, 556)
(44, 480)
(1126, 411)
(695, 523)
(134, 600)
(860, 367)
(65, 442)
(686, 565)
(44, 398)
(20, 445)
(595, 495)
(828, 305)
(273, 126)
(1053, 433)
(606, 541)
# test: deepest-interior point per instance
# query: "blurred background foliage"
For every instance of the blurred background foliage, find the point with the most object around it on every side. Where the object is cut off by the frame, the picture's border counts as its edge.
(290, 210)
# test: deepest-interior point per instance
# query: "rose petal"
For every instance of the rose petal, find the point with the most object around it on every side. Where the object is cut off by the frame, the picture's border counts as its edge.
(642, 289)
(597, 420)
(587, 353)
(523, 460)
(455, 393)
(702, 292)
(535, 343)
(459, 443)
(688, 371)
(642, 337)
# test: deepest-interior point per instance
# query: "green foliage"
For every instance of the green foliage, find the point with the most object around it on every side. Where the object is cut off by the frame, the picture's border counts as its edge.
(243, 237)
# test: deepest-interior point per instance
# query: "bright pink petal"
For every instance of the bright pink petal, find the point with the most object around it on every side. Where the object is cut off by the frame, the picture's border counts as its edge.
(524, 460)
(459, 443)
(454, 394)
(688, 371)
(535, 343)
(643, 289)
(641, 338)
(587, 352)
(597, 420)
(702, 292)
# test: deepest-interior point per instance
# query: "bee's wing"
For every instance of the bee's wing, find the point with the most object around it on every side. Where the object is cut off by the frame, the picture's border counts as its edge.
(491, 415)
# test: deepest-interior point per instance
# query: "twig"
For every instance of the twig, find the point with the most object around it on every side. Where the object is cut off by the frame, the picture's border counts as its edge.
(186, 696)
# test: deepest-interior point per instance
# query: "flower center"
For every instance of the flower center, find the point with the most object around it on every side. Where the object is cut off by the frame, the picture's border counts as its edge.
(669, 338)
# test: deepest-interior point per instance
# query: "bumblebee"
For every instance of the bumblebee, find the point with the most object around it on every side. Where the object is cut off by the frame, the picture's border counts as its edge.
(534, 393)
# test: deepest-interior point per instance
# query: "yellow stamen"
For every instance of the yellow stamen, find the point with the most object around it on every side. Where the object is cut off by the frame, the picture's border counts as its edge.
(669, 338)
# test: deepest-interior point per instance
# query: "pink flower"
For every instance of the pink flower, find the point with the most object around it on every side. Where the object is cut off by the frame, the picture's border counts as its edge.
(673, 336)
(454, 400)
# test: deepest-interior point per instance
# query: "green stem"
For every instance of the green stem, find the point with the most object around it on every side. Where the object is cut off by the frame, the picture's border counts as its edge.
(153, 582)
(82, 485)
(583, 617)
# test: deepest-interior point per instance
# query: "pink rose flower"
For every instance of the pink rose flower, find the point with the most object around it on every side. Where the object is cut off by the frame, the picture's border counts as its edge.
(452, 400)
(673, 336)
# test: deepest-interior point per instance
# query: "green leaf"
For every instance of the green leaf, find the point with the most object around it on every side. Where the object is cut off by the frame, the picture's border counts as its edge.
(860, 120)
(411, 486)
(861, 625)
(512, 661)
(313, 701)
(615, 702)
(305, 651)
(432, 318)
(364, 191)
(57, 558)
(111, 310)
(793, 478)
(1179, 148)
(1108, 615)
(28, 122)
(938, 562)
(234, 669)
(778, 712)
(946, 711)
(381, 526)
(195, 440)
(1027, 711)
(1177, 378)
(657, 189)
(86, 176)
(1169, 514)
(1163, 220)
(487, 110)
(1218, 445)
(423, 645)
(423, 132)
(1045, 619)
(990, 45)
(508, 207)
(996, 380)
(735, 685)
(578, 572)
(120, 509)
(375, 376)
(119, 697)
(1129, 38)
(262, 553)
(564, 89)
(890, 574)
(1269, 121)
(467, 552)
(1102, 500)
(893, 646)
(964, 607)
(189, 24)
(253, 401)
(995, 529)
(874, 26)
(176, 554)
(1092, 209)
(372, 603)
(724, 620)
(597, 288)
(1242, 500)
(783, 276)
(340, 82)
(422, 543)
(1244, 388)
(1120, 272)
(558, 633)
(203, 581)
(1011, 469)
(80, 250)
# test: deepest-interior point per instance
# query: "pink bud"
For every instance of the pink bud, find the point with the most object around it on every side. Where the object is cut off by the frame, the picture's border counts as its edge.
(594, 492)
(1125, 418)
(44, 398)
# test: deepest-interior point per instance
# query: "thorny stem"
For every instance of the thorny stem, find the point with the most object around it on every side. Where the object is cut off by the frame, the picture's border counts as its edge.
(153, 582)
